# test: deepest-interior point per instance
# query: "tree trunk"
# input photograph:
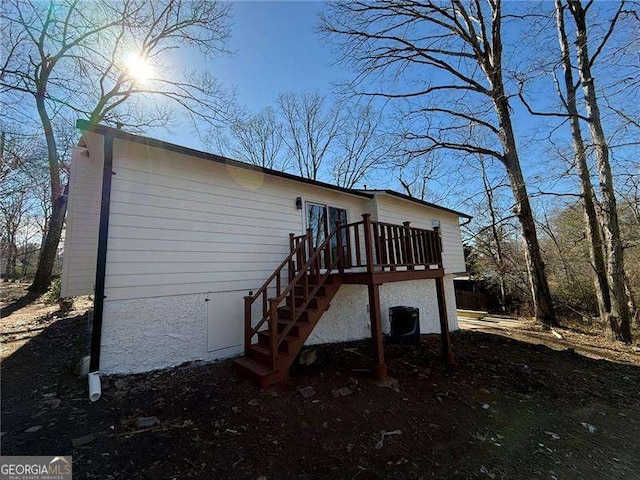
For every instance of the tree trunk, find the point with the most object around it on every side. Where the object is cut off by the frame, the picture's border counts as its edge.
(492, 65)
(620, 317)
(542, 303)
(592, 227)
(49, 248)
(633, 305)
(14, 261)
(10, 272)
(543, 306)
(494, 232)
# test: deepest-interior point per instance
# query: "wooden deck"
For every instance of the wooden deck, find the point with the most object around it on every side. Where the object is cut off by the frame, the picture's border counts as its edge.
(298, 292)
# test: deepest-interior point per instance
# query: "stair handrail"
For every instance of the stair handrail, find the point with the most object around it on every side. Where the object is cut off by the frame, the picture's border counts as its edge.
(250, 299)
(290, 290)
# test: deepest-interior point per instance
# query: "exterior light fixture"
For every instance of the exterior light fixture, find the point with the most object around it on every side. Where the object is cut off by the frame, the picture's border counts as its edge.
(299, 203)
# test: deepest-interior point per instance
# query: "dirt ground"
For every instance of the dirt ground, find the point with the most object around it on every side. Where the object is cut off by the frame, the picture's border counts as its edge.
(520, 404)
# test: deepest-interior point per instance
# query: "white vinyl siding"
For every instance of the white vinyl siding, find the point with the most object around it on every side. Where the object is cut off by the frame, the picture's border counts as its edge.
(83, 220)
(396, 210)
(182, 225)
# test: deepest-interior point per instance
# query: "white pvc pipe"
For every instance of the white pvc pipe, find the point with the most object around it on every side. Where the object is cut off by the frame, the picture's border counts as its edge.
(94, 387)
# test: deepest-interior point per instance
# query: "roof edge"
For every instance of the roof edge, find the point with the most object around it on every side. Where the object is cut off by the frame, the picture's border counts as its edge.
(87, 126)
(403, 196)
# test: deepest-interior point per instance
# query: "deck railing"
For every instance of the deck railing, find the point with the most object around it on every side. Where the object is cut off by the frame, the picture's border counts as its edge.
(380, 246)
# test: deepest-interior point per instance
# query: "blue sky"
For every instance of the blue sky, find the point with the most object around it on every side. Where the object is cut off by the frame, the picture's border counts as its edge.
(276, 48)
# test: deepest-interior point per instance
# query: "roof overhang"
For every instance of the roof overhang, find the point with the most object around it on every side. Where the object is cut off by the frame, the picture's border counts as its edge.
(402, 196)
(86, 126)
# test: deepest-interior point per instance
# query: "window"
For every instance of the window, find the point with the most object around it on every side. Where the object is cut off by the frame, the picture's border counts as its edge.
(321, 219)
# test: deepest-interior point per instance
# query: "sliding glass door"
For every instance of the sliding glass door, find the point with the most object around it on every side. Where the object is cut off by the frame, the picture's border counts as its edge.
(321, 219)
(317, 222)
(337, 215)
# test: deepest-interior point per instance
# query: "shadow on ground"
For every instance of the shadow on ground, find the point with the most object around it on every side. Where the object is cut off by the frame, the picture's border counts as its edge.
(19, 303)
(509, 410)
(38, 383)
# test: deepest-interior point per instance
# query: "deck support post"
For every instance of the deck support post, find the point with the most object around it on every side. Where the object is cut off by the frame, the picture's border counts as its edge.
(379, 369)
(447, 354)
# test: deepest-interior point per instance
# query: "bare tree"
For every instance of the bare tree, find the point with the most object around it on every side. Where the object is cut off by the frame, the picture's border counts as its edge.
(311, 130)
(312, 134)
(70, 59)
(449, 57)
(13, 207)
(496, 229)
(620, 318)
(258, 140)
(362, 145)
(592, 226)
(415, 176)
(483, 264)
(17, 200)
(430, 177)
(630, 222)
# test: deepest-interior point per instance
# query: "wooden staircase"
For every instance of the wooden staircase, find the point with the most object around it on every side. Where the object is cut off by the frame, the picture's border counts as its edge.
(257, 362)
(291, 312)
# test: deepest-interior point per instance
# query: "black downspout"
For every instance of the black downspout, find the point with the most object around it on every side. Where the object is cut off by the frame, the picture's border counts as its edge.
(103, 233)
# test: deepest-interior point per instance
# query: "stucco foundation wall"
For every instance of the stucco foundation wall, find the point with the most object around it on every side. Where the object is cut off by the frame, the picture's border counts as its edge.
(146, 334)
(348, 317)
(418, 293)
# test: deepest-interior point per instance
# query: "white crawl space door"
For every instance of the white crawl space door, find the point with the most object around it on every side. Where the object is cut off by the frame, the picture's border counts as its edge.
(225, 322)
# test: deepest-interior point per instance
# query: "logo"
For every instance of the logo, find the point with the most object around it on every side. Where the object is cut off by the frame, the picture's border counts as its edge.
(35, 468)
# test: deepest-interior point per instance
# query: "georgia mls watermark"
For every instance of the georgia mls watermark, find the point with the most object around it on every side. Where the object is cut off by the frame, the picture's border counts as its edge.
(35, 468)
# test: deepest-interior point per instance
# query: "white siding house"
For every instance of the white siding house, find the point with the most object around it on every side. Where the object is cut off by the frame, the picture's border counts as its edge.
(188, 235)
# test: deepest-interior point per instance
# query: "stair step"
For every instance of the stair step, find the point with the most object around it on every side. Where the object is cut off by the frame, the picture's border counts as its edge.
(258, 361)
(264, 338)
(262, 353)
(258, 373)
(252, 367)
(299, 289)
(260, 349)
(295, 331)
(313, 301)
(284, 313)
(314, 279)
